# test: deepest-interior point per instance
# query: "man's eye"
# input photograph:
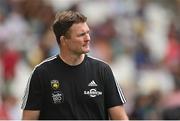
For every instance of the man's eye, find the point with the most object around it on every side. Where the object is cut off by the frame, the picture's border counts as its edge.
(82, 34)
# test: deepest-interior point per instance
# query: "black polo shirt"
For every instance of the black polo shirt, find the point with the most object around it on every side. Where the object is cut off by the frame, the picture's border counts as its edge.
(61, 91)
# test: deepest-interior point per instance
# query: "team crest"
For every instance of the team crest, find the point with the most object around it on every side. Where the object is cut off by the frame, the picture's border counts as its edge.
(55, 84)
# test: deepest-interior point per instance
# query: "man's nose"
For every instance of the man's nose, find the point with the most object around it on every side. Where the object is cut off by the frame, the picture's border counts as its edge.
(87, 37)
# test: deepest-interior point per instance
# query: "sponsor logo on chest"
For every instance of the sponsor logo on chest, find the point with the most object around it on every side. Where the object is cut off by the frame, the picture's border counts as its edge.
(93, 92)
(57, 97)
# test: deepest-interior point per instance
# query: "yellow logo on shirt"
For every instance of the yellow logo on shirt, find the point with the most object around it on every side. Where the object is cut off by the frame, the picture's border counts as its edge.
(55, 84)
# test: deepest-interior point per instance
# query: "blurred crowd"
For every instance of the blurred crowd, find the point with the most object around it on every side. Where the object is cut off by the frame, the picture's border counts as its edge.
(140, 39)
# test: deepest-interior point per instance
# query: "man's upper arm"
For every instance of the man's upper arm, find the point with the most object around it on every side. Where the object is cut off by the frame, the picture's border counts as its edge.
(114, 95)
(32, 99)
(117, 113)
(30, 115)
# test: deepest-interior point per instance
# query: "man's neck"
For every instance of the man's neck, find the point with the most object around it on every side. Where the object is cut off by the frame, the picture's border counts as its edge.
(72, 60)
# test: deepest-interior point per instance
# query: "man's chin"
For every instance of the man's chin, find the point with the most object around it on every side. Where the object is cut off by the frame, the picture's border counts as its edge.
(86, 51)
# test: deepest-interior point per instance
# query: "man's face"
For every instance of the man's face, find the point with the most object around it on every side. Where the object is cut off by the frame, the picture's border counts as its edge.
(78, 40)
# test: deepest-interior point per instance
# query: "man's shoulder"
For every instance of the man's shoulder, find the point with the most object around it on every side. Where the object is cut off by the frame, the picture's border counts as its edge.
(97, 61)
(46, 62)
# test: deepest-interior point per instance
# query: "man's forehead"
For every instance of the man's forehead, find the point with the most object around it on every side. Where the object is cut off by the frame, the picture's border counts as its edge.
(80, 27)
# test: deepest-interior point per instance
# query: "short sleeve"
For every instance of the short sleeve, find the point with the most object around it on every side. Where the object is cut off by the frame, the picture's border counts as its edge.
(32, 99)
(113, 93)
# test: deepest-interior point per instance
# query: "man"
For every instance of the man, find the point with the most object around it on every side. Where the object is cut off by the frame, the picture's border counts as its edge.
(72, 85)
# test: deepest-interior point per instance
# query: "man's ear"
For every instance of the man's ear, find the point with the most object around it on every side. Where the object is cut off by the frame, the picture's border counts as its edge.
(63, 40)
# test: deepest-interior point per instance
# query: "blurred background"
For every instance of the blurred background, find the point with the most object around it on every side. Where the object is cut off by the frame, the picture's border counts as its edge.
(140, 39)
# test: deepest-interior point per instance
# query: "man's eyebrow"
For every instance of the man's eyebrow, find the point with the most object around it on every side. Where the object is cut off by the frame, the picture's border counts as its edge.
(83, 33)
